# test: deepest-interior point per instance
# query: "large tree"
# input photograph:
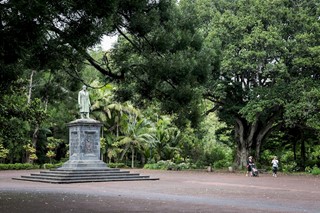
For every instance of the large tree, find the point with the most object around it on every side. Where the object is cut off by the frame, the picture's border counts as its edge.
(47, 38)
(56, 34)
(168, 64)
(267, 53)
(269, 63)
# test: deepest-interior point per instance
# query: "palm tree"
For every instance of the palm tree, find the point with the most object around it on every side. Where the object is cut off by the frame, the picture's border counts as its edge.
(137, 135)
(166, 139)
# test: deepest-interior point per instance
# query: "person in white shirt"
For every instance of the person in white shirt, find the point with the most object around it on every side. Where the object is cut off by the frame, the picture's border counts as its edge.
(275, 165)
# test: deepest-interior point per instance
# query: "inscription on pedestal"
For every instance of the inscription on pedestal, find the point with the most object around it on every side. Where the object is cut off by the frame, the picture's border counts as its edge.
(89, 144)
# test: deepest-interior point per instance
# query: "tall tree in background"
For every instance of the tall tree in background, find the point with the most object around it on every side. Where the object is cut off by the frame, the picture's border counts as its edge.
(53, 34)
(269, 64)
(50, 38)
(167, 63)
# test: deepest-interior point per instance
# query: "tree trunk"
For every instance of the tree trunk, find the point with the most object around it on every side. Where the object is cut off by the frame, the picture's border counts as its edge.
(34, 141)
(261, 135)
(143, 159)
(244, 141)
(242, 156)
(303, 153)
(249, 136)
(30, 86)
(294, 150)
(132, 157)
(35, 132)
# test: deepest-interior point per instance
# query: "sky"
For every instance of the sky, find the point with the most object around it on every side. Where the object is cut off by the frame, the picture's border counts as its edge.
(107, 42)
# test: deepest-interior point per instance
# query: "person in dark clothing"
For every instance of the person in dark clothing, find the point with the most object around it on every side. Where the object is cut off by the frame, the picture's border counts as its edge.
(249, 164)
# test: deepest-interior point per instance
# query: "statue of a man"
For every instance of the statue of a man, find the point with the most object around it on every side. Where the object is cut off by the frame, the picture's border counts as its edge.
(84, 102)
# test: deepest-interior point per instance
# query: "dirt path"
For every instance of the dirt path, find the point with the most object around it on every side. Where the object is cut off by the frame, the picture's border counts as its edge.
(176, 191)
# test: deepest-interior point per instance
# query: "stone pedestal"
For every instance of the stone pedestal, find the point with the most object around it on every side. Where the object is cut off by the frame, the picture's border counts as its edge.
(84, 164)
(84, 145)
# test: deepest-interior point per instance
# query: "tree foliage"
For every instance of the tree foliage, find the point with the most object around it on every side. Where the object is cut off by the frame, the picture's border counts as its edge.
(267, 58)
(256, 62)
(169, 64)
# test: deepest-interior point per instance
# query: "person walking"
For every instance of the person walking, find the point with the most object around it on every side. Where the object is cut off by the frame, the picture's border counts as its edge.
(275, 165)
(249, 166)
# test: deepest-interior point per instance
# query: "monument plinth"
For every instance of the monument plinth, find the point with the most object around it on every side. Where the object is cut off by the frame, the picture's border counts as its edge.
(84, 145)
(84, 164)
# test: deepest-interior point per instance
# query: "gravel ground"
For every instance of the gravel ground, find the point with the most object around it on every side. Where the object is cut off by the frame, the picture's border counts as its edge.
(176, 191)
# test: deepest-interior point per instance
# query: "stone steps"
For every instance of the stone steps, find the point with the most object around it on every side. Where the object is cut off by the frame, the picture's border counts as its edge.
(82, 176)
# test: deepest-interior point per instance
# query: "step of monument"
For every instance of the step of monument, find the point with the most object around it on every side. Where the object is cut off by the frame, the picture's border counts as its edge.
(140, 178)
(39, 176)
(77, 172)
(93, 169)
(83, 175)
(80, 176)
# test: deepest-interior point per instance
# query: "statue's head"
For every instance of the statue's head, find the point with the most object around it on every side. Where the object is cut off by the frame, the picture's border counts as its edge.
(84, 87)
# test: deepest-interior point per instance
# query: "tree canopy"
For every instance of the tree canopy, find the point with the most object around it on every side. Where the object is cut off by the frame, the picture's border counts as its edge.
(55, 35)
(254, 60)
(255, 63)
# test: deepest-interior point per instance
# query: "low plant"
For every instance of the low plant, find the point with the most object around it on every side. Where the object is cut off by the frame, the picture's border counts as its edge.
(168, 165)
(315, 170)
(18, 166)
(117, 165)
(51, 165)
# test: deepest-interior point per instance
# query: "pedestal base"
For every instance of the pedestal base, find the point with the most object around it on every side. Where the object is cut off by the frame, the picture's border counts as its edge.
(83, 164)
(84, 145)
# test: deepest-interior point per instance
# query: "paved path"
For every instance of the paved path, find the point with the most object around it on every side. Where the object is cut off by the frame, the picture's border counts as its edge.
(176, 191)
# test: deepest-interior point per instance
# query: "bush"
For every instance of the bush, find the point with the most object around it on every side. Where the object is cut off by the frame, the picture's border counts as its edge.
(222, 164)
(151, 166)
(164, 165)
(216, 155)
(289, 167)
(52, 166)
(287, 162)
(168, 165)
(315, 170)
(18, 166)
(4, 166)
(183, 166)
(117, 165)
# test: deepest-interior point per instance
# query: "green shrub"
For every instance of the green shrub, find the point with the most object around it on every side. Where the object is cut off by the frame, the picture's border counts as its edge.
(18, 166)
(287, 162)
(4, 166)
(163, 165)
(308, 169)
(266, 158)
(183, 166)
(117, 165)
(151, 166)
(168, 165)
(289, 167)
(315, 170)
(52, 166)
(222, 164)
